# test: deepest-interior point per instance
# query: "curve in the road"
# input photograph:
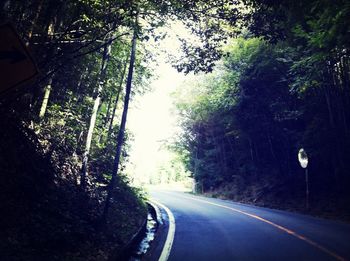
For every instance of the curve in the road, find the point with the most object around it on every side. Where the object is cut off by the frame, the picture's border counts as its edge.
(171, 233)
(284, 229)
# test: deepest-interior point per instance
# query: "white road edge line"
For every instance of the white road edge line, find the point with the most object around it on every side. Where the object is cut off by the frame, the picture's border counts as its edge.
(171, 233)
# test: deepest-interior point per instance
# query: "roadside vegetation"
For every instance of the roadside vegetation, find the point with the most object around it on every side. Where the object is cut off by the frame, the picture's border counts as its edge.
(281, 82)
(64, 143)
(279, 88)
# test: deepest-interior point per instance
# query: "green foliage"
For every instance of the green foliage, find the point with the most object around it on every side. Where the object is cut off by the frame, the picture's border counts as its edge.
(283, 84)
(66, 39)
(269, 98)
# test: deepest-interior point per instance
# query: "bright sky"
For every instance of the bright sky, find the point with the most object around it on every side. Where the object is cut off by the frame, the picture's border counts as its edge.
(150, 118)
(151, 121)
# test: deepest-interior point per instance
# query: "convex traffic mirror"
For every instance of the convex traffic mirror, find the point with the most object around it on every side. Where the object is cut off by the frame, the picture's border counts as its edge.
(303, 159)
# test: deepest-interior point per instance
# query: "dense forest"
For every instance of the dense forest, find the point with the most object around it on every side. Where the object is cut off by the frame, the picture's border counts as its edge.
(277, 80)
(280, 87)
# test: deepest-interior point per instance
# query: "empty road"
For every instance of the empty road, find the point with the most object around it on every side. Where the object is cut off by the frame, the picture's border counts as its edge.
(215, 230)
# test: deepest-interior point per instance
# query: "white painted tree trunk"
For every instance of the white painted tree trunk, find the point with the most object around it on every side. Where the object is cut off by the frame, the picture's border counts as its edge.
(105, 59)
(47, 92)
(48, 87)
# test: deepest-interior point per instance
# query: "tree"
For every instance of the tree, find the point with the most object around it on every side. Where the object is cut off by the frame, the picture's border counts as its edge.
(101, 81)
(120, 138)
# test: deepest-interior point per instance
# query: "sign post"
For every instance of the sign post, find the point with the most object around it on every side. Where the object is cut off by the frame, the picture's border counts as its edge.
(303, 160)
(16, 65)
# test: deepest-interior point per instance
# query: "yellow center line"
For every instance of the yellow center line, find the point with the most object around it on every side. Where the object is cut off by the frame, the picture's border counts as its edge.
(284, 229)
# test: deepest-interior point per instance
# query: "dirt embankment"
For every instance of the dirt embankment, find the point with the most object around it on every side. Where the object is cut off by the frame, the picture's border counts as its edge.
(290, 196)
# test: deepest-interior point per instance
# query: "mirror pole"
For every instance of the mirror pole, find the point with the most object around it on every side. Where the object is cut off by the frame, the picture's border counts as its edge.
(307, 188)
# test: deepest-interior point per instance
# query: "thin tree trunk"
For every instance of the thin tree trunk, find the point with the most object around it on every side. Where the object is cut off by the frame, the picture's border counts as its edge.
(274, 156)
(336, 157)
(329, 107)
(195, 171)
(116, 103)
(45, 101)
(105, 59)
(110, 99)
(218, 157)
(251, 149)
(224, 155)
(257, 155)
(232, 157)
(120, 138)
(106, 117)
(108, 110)
(48, 87)
(81, 84)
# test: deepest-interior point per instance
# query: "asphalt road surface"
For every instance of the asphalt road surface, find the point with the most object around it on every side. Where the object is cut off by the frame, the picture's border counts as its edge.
(215, 230)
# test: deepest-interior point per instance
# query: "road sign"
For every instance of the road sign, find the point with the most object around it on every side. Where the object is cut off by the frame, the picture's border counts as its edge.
(16, 65)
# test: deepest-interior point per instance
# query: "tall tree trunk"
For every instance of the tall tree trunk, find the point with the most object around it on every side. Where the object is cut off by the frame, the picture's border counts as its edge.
(48, 87)
(120, 138)
(108, 110)
(273, 153)
(81, 85)
(45, 101)
(116, 102)
(232, 156)
(224, 155)
(251, 149)
(336, 154)
(329, 107)
(105, 59)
